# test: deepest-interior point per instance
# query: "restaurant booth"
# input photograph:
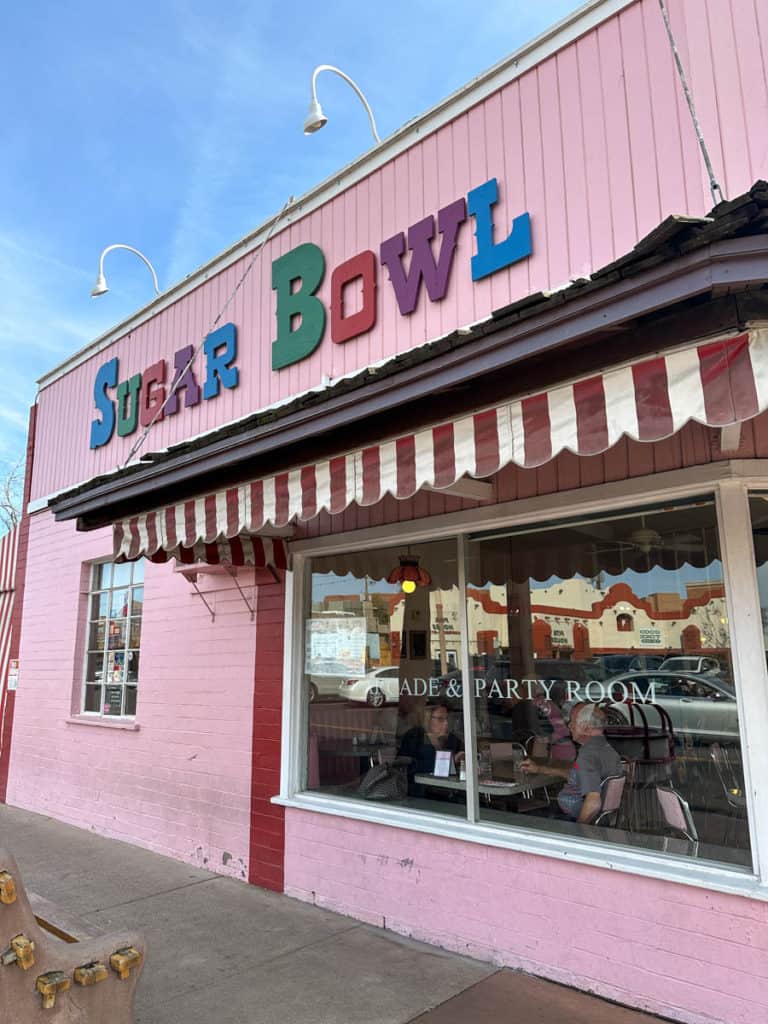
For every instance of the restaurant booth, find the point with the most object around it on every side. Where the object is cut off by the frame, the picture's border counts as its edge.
(475, 432)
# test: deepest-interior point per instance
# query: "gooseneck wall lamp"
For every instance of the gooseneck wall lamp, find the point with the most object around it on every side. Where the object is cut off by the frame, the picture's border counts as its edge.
(315, 118)
(101, 284)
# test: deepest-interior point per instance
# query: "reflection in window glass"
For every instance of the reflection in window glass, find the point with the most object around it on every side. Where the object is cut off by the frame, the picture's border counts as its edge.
(603, 657)
(382, 649)
(604, 703)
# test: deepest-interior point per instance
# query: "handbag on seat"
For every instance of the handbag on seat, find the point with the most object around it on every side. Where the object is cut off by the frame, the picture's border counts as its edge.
(385, 781)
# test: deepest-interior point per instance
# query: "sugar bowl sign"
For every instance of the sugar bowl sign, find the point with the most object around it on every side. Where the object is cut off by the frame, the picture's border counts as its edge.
(126, 402)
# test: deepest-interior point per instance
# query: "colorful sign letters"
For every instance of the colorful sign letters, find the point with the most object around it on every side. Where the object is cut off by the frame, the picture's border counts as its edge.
(296, 276)
(141, 399)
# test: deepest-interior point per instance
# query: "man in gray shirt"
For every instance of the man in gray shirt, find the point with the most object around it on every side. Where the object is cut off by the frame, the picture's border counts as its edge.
(579, 799)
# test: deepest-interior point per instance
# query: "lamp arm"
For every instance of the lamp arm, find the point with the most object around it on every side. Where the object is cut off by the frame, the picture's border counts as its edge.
(119, 245)
(348, 80)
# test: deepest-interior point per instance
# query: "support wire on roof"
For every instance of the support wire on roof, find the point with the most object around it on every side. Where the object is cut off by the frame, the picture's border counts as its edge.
(717, 192)
(180, 376)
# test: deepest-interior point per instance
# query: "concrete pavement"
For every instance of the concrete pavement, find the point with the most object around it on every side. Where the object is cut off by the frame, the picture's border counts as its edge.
(225, 951)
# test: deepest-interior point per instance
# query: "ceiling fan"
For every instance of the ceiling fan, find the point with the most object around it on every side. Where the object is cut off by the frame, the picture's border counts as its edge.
(645, 540)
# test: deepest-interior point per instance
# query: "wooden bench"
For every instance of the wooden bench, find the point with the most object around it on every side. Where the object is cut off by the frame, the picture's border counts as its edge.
(55, 965)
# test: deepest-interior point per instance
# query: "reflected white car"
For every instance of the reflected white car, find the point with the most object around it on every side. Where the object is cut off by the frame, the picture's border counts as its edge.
(328, 678)
(381, 686)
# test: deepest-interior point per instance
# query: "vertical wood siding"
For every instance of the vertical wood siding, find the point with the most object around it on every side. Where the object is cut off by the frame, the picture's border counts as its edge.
(595, 141)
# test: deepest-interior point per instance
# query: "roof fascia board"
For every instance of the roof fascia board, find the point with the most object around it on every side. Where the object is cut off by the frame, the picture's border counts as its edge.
(735, 263)
(560, 35)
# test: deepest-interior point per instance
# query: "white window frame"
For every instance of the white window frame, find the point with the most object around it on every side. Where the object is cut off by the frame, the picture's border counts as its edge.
(730, 482)
(99, 716)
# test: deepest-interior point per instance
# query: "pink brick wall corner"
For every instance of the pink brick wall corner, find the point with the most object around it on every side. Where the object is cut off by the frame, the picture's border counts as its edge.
(693, 955)
(181, 784)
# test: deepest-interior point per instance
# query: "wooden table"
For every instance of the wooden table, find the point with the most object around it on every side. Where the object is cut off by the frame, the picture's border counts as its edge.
(489, 787)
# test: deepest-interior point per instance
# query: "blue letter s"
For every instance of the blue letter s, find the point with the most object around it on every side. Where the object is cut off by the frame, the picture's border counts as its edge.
(101, 430)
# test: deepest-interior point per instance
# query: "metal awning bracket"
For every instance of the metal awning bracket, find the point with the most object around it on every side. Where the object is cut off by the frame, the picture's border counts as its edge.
(231, 571)
(201, 595)
(191, 573)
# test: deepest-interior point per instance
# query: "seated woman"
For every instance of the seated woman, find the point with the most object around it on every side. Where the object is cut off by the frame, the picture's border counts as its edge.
(422, 742)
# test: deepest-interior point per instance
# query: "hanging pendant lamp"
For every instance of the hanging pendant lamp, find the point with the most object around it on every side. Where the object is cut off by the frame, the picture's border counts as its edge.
(409, 575)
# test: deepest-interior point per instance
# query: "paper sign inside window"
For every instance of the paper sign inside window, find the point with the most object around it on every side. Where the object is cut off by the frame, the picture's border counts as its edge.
(444, 764)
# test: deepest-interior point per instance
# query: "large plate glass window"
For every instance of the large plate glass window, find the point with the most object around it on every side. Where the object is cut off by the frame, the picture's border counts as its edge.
(115, 603)
(381, 676)
(603, 651)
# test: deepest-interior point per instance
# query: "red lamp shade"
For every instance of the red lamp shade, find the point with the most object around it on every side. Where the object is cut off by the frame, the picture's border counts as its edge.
(409, 575)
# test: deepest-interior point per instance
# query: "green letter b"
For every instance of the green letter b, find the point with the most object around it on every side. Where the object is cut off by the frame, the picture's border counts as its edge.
(307, 264)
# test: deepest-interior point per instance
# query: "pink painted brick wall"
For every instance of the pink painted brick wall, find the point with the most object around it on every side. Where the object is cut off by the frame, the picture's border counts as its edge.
(695, 956)
(181, 784)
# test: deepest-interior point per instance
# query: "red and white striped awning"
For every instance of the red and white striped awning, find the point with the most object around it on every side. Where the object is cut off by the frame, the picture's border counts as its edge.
(259, 552)
(717, 383)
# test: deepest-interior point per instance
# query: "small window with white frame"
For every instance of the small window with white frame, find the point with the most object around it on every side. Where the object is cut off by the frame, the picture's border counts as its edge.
(115, 602)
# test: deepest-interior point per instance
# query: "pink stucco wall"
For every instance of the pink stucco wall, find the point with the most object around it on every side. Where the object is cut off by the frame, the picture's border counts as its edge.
(179, 785)
(595, 142)
(686, 953)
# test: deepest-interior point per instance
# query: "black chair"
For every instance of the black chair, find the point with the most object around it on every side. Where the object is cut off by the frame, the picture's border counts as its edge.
(731, 784)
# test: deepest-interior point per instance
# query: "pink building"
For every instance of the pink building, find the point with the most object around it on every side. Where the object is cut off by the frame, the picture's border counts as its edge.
(522, 342)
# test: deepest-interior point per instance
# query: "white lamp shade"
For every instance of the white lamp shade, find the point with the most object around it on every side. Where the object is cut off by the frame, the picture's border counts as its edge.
(100, 287)
(315, 118)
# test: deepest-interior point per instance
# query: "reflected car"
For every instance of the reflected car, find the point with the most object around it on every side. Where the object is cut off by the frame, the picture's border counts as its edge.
(379, 687)
(446, 686)
(689, 663)
(701, 707)
(327, 677)
(613, 664)
(558, 669)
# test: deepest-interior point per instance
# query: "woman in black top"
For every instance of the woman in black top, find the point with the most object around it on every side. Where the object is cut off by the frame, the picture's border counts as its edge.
(422, 742)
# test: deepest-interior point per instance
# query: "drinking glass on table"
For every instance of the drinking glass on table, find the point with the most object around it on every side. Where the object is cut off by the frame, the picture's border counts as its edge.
(518, 756)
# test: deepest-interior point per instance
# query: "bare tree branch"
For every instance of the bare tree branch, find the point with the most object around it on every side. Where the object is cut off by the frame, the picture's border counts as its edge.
(11, 490)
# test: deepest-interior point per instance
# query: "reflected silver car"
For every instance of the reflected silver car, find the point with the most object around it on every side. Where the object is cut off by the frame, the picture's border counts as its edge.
(700, 706)
(689, 663)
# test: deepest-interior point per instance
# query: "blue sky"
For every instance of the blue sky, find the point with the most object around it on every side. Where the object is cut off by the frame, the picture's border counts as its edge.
(175, 127)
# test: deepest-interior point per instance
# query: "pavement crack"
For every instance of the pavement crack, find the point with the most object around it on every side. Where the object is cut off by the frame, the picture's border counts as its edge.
(149, 896)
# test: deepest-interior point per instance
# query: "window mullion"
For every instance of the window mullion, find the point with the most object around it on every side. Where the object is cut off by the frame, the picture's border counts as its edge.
(295, 717)
(748, 655)
(468, 688)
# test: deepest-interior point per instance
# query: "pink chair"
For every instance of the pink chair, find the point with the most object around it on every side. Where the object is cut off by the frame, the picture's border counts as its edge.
(676, 813)
(611, 793)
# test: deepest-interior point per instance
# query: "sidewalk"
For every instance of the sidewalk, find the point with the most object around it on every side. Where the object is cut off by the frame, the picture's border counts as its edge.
(225, 951)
